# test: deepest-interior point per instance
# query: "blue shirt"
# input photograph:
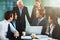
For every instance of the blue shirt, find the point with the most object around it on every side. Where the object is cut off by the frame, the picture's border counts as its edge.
(39, 20)
(14, 24)
(20, 10)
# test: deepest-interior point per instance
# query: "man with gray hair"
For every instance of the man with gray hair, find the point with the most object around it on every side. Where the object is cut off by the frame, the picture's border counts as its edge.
(21, 11)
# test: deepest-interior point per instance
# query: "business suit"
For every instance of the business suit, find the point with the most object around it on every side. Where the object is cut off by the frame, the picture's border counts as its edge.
(56, 32)
(42, 23)
(33, 15)
(21, 22)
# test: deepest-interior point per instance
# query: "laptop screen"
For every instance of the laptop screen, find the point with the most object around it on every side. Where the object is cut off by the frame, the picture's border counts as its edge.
(34, 30)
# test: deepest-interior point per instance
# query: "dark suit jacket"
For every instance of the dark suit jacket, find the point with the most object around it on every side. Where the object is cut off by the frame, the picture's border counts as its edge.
(33, 15)
(42, 23)
(10, 34)
(56, 32)
(21, 22)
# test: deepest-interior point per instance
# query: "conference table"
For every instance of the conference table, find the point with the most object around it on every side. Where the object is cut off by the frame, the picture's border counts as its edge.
(38, 37)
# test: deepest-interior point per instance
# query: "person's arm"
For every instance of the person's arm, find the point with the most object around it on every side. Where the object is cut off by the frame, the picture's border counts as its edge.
(2, 34)
(32, 15)
(16, 33)
(44, 28)
(27, 14)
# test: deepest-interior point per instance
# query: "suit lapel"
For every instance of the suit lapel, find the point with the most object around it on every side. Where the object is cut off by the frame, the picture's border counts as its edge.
(41, 22)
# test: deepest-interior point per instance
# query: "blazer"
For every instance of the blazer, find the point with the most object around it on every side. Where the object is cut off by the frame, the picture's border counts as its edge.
(42, 23)
(56, 32)
(33, 15)
(21, 22)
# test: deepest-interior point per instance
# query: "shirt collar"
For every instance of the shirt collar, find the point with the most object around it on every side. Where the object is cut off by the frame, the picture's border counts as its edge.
(7, 22)
(20, 8)
(41, 19)
(52, 26)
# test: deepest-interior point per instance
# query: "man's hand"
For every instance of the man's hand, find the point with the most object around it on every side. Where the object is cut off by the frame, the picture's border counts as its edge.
(16, 34)
(23, 33)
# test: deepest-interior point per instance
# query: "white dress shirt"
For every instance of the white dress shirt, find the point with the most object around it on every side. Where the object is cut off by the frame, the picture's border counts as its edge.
(51, 29)
(4, 29)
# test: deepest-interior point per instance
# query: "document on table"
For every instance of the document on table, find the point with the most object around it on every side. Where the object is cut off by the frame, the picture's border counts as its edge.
(26, 37)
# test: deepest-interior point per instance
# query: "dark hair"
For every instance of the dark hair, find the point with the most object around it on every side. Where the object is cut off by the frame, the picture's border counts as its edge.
(41, 13)
(14, 15)
(54, 18)
(8, 14)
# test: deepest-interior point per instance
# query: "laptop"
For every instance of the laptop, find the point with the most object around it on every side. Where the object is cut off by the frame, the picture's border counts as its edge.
(34, 29)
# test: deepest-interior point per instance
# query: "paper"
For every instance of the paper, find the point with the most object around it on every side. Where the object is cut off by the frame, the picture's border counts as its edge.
(26, 37)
